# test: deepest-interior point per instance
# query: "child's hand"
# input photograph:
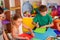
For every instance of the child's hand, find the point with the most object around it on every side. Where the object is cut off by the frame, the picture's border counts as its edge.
(33, 34)
(42, 27)
(37, 25)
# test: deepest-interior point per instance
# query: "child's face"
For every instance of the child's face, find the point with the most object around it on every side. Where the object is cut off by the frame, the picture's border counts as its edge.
(1, 16)
(43, 13)
(18, 21)
(25, 15)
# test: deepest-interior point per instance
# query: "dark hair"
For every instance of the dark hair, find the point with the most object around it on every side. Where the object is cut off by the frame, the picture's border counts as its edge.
(25, 12)
(1, 10)
(15, 17)
(42, 8)
(59, 17)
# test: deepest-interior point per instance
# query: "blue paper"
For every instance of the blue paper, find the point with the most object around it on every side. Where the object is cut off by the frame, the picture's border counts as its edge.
(50, 32)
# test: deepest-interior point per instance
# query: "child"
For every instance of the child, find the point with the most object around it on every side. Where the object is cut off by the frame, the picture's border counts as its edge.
(44, 20)
(2, 31)
(17, 31)
(27, 14)
(57, 25)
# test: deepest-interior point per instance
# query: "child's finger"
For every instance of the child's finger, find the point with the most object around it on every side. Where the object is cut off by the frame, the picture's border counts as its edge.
(27, 38)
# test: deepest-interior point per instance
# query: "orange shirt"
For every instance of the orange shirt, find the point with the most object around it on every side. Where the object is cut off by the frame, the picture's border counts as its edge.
(55, 24)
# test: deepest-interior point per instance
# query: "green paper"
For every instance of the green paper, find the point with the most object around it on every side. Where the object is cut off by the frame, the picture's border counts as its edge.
(35, 39)
(40, 30)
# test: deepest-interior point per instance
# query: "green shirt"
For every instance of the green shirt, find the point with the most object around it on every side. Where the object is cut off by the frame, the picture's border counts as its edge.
(42, 20)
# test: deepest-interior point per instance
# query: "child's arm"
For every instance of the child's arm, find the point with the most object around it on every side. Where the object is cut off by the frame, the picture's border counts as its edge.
(58, 24)
(49, 25)
(5, 36)
(28, 29)
(25, 26)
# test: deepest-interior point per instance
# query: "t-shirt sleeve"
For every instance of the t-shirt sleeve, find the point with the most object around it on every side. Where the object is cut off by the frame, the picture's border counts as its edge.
(35, 19)
(50, 19)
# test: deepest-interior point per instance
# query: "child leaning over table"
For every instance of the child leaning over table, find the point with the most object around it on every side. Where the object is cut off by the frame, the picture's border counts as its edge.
(42, 20)
(17, 32)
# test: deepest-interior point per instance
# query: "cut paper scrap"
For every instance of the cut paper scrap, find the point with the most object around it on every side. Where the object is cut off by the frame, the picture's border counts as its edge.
(40, 30)
(35, 39)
